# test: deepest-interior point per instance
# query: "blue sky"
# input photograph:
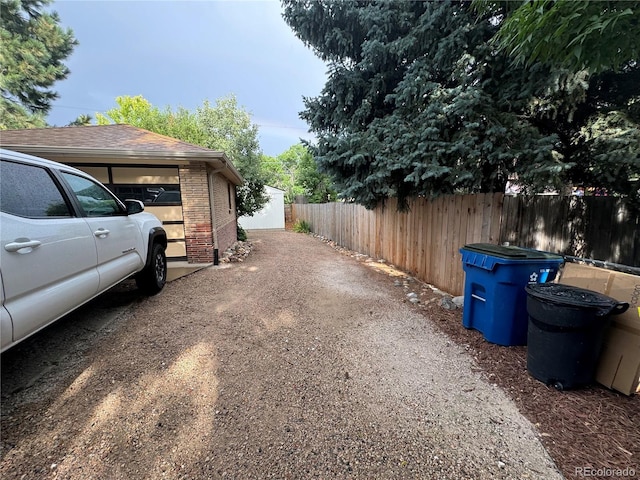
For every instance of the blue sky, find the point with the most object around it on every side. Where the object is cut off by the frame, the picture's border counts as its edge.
(181, 53)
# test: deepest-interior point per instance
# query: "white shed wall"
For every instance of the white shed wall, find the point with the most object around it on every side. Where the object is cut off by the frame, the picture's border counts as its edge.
(271, 216)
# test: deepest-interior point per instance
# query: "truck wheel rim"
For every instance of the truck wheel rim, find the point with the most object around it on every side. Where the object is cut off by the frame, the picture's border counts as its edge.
(159, 268)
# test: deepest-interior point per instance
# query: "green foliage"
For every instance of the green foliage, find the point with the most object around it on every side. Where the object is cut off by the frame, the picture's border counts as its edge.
(315, 185)
(34, 47)
(296, 172)
(136, 111)
(279, 174)
(250, 197)
(14, 116)
(286, 166)
(301, 226)
(81, 120)
(576, 35)
(139, 112)
(241, 234)
(224, 127)
(227, 127)
(419, 103)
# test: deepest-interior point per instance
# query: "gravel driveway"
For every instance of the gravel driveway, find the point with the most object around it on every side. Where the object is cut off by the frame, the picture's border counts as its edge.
(297, 363)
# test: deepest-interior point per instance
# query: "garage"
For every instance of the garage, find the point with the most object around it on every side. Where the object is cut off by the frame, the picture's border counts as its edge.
(191, 189)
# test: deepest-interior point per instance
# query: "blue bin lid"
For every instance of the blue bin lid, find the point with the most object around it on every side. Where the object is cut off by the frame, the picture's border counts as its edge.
(511, 253)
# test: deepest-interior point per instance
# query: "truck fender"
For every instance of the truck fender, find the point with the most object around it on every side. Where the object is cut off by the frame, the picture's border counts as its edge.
(156, 235)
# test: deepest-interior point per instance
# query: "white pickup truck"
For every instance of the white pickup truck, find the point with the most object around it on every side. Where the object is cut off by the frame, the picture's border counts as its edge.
(64, 239)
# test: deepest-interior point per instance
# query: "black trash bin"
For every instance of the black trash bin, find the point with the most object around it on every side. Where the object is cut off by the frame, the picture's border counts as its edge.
(565, 332)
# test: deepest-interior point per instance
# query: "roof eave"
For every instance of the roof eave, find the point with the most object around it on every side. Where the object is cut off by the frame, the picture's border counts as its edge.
(218, 160)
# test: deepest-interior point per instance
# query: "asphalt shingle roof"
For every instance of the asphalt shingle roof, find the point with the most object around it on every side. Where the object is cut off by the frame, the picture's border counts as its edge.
(119, 137)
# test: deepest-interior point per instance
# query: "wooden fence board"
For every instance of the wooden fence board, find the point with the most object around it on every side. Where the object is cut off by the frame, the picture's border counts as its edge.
(427, 229)
(478, 221)
(496, 217)
(434, 229)
(417, 225)
(417, 228)
(442, 241)
(600, 228)
(462, 237)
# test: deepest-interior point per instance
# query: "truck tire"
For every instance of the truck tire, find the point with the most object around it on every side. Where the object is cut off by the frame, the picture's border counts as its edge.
(153, 277)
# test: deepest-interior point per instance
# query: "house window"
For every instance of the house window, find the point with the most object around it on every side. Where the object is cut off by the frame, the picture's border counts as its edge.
(229, 195)
(163, 194)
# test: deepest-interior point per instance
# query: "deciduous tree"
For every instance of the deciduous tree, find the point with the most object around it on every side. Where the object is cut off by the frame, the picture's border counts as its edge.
(224, 126)
(228, 127)
(592, 49)
(314, 184)
(295, 171)
(576, 35)
(281, 174)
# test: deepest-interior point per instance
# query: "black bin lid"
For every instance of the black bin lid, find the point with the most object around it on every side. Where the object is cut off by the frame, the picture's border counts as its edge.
(513, 253)
(570, 296)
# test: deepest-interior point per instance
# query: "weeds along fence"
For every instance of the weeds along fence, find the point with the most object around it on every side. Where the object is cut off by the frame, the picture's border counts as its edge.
(425, 240)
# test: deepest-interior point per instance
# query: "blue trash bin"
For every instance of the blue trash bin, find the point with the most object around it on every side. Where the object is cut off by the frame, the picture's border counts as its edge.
(495, 300)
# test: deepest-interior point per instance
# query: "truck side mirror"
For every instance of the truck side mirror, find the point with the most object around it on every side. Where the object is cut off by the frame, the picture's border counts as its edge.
(134, 206)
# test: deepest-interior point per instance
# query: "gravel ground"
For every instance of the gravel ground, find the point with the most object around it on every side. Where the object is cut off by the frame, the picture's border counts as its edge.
(298, 362)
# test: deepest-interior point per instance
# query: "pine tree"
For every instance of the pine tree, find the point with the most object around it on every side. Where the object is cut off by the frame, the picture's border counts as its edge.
(419, 102)
(34, 47)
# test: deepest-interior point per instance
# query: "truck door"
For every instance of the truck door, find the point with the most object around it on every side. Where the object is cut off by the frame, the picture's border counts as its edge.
(47, 253)
(118, 239)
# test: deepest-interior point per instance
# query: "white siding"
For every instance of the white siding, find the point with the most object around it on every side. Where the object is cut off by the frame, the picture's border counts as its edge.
(271, 216)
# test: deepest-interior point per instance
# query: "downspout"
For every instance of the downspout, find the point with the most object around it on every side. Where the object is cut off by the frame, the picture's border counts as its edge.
(216, 253)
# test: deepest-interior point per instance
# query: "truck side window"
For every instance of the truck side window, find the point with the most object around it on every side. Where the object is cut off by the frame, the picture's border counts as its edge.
(30, 191)
(96, 201)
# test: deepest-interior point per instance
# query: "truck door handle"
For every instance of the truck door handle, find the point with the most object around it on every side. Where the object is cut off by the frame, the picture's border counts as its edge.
(101, 232)
(21, 243)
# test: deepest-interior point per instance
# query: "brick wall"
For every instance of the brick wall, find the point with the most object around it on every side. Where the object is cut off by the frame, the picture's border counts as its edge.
(224, 200)
(196, 212)
(225, 212)
(227, 236)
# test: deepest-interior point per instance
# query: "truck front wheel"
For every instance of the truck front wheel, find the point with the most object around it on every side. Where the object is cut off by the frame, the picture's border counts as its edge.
(152, 279)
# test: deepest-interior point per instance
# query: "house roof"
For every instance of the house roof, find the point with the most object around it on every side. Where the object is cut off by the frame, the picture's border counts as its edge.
(113, 141)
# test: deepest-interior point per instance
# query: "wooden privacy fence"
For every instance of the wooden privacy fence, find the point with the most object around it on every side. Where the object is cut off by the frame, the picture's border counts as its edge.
(599, 228)
(425, 241)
